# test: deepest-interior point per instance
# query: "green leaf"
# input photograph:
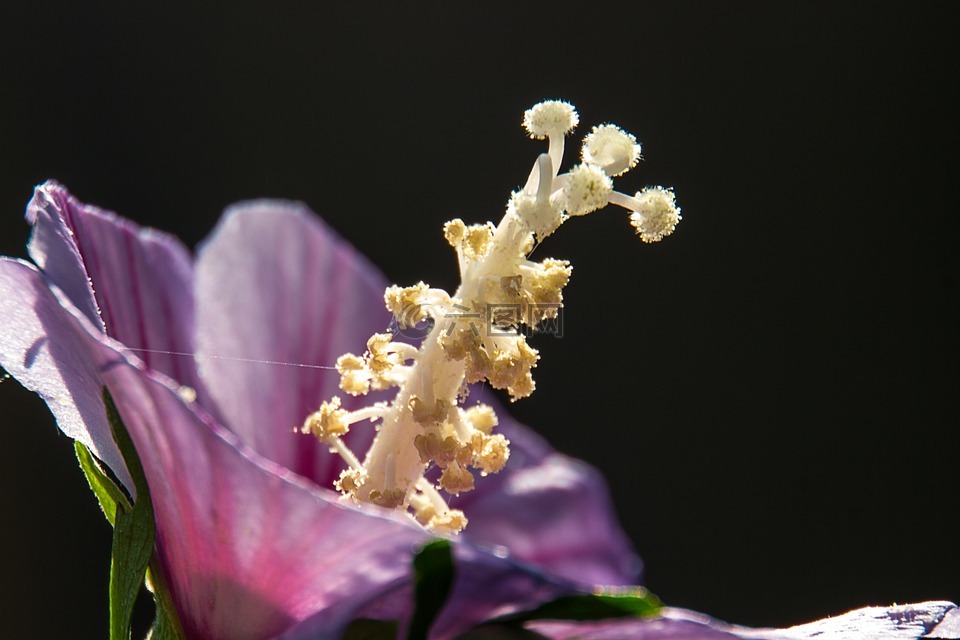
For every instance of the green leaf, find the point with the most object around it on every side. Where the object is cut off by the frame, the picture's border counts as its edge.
(133, 533)
(366, 629)
(433, 574)
(620, 603)
(109, 495)
(167, 624)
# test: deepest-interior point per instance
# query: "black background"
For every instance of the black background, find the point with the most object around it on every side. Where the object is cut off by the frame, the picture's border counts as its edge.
(772, 392)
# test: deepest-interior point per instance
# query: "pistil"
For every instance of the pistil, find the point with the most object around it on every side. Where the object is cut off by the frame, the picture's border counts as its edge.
(426, 426)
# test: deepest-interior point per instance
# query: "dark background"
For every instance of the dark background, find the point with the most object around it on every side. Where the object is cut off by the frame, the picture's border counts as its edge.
(772, 392)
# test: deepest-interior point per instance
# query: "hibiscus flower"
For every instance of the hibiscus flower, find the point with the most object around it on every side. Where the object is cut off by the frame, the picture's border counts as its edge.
(214, 361)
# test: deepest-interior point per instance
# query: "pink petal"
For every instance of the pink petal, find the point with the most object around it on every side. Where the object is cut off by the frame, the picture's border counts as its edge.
(904, 621)
(893, 623)
(249, 549)
(142, 278)
(674, 624)
(490, 587)
(275, 285)
(54, 249)
(485, 586)
(552, 512)
(43, 348)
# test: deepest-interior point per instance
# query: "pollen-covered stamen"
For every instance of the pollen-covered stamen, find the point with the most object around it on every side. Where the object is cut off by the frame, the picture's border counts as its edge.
(481, 417)
(456, 479)
(510, 364)
(453, 521)
(610, 148)
(350, 481)
(328, 422)
(412, 305)
(490, 453)
(388, 498)
(331, 422)
(470, 241)
(543, 285)
(354, 377)
(382, 356)
(426, 413)
(424, 427)
(381, 367)
(655, 212)
(431, 510)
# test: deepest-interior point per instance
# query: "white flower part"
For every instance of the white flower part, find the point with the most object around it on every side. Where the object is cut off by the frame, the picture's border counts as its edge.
(542, 217)
(550, 118)
(655, 213)
(587, 189)
(425, 426)
(611, 148)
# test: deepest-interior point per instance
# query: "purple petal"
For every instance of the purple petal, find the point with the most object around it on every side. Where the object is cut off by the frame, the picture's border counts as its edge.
(248, 548)
(490, 587)
(550, 511)
(142, 279)
(485, 587)
(54, 248)
(275, 285)
(42, 347)
(672, 625)
(948, 627)
(279, 294)
(904, 621)
(873, 623)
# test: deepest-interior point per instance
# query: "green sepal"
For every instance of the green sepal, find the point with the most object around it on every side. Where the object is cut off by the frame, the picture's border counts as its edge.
(134, 533)
(367, 629)
(433, 575)
(630, 602)
(109, 495)
(166, 626)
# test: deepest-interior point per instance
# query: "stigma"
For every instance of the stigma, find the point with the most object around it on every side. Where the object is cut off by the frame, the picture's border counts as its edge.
(431, 441)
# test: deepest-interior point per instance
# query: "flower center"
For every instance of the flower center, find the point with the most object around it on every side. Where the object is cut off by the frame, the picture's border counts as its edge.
(477, 334)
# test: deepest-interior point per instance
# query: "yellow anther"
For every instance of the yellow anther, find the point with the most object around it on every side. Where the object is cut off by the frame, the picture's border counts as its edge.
(354, 377)
(476, 240)
(350, 481)
(380, 360)
(389, 498)
(510, 369)
(452, 521)
(490, 453)
(426, 513)
(427, 446)
(481, 417)
(424, 427)
(405, 303)
(426, 414)
(328, 422)
(456, 480)
(448, 451)
(454, 231)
